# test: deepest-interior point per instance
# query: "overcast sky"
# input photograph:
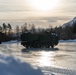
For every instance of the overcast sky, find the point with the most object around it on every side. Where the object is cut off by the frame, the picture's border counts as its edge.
(17, 12)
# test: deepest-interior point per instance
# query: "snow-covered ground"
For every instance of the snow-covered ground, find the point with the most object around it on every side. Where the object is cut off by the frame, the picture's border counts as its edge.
(16, 60)
(67, 40)
(10, 65)
(11, 42)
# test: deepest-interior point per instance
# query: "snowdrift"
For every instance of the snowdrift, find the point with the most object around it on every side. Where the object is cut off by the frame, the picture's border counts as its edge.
(12, 66)
(67, 40)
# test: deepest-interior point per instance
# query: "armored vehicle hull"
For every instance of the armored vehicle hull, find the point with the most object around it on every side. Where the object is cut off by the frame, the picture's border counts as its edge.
(38, 40)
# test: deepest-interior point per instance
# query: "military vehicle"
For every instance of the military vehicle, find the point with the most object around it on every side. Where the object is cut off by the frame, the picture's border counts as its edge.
(39, 40)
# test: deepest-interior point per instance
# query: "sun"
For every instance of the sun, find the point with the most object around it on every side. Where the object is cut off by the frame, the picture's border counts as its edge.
(43, 5)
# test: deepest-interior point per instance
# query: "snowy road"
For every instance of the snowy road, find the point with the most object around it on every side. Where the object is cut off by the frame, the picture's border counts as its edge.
(58, 61)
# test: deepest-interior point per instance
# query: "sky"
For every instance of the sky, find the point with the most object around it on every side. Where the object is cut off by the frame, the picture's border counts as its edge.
(41, 13)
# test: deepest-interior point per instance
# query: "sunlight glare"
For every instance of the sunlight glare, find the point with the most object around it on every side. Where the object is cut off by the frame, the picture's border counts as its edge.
(43, 5)
(46, 58)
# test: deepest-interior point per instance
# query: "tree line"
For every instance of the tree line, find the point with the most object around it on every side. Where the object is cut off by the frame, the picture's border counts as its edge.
(7, 32)
(67, 32)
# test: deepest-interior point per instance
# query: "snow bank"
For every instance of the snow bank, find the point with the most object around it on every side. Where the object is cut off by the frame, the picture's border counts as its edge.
(11, 42)
(12, 66)
(67, 40)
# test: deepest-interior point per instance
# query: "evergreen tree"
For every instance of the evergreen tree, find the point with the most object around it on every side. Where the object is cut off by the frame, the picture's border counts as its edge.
(0, 29)
(9, 29)
(4, 28)
(17, 32)
(24, 27)
(33, 28)
(74, 28)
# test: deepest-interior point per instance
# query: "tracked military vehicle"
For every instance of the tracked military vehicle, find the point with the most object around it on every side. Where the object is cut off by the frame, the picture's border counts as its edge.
(39, 40)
